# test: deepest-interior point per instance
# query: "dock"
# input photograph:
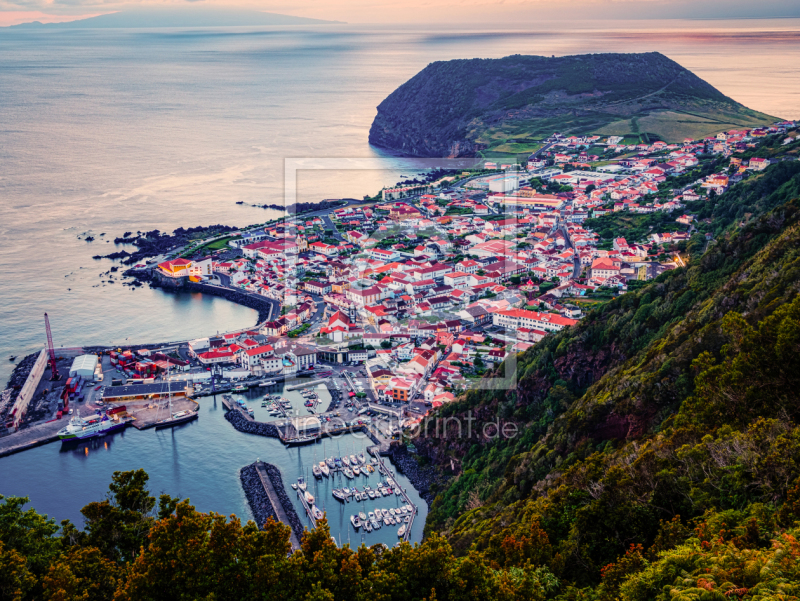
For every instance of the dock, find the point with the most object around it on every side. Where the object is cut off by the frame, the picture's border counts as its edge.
(29, 438)
(382, 470)
(387, 472)
(148, 415)
(231, 406)
(307, 507)
(303, 384)
(277, 507)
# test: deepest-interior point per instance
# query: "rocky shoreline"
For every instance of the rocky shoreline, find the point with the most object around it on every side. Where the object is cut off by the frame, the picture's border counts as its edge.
(421, 478)
(20, 374)
(238, 421)
(154, 243)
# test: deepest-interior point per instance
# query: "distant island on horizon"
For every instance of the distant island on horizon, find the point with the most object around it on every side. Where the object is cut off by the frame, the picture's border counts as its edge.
(509, 105)
(183, 17)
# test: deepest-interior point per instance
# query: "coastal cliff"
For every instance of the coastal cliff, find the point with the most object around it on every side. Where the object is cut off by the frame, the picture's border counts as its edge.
(456, 108)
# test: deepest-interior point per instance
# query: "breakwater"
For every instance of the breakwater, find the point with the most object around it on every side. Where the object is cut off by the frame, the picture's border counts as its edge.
(275, 477)
(238, 421)
(257, 497)
(20, 374)
(264, 507)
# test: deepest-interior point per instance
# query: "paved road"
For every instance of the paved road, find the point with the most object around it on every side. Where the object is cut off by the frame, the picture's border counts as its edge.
(326, 219)
(576, 261)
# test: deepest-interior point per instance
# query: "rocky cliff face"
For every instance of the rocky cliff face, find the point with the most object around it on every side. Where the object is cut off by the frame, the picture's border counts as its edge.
(445, 109)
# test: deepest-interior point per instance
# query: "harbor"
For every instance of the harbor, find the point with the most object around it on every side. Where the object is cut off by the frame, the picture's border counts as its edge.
(178, 460)
(362, 491)
(169, 419)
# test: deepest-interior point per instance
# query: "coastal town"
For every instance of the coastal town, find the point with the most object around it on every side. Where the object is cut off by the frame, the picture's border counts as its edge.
(431, 286)
(415, 296)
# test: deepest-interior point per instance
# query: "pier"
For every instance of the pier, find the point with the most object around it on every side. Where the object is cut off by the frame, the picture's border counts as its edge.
(274, 500)
(29, 438)
(303, 384)
(231, 406)
(387, 472)
(307, 507)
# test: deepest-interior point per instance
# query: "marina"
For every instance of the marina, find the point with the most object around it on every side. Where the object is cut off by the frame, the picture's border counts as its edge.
(174, 459)
(376, 491)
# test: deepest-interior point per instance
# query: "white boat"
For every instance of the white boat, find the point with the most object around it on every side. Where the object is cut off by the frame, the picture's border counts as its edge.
(294, 485)
(301, 483)
(345, 460)
(401, 530)
(356, 521)
(323, 467)
(79, 428)
(391, 511)
(353, 460)
(315, 469)
(316, 512)
(385, 513)
(309, 497)
(338, 494)
(348, 472)
(376, 524)
(371, 515)
(371, 494)
(362, 515)
(361, 459)
(356, 470)
(368, 526)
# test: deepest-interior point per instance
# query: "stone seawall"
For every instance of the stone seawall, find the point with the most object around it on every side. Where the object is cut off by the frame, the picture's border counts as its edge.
(238, 421)
(259, 501)
(264, 306)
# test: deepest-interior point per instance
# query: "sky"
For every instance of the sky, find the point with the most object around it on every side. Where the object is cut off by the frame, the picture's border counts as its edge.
(476, 12)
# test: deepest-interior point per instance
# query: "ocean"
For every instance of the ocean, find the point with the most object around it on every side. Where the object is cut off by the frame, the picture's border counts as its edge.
(108, 131)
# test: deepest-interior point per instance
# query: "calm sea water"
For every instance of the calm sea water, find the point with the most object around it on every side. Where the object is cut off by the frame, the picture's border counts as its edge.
(110, 131)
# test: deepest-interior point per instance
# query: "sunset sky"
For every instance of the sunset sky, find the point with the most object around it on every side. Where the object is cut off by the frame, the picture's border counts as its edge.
(495, 12)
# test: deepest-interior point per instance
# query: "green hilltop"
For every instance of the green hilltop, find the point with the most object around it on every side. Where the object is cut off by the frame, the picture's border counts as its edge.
(460, 107)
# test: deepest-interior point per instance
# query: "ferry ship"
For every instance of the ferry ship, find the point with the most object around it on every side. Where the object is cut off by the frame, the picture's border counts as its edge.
(79, 428)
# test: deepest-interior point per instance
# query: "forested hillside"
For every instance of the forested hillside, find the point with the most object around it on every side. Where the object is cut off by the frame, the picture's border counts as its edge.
(664, 411)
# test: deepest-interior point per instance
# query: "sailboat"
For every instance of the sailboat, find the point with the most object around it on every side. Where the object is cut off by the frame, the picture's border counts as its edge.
(179, 417)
